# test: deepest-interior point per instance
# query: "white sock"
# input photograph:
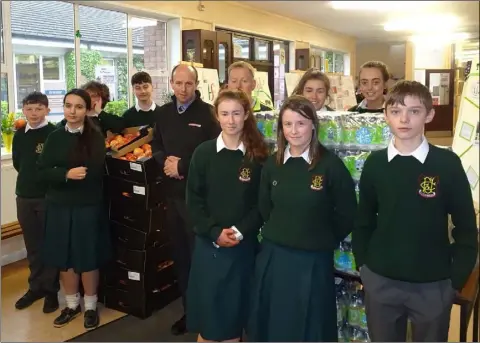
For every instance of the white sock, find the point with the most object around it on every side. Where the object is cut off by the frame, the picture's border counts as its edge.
(72, 300)
(90, 302)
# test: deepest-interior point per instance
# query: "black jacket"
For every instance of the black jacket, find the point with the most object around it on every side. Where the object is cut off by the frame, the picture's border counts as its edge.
(179, 135)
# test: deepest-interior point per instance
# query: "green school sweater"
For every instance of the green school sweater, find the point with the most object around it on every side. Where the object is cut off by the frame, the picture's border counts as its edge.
(26, 148)
(222, 191)
(54, 164)
(132, 117)
(307, 209)
(359, 109)
(402, 225)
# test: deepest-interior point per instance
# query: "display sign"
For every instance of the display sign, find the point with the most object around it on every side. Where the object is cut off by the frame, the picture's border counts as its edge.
(465, 141)
(55, 100)
(262, 91)
(106, 75)
(208, 84)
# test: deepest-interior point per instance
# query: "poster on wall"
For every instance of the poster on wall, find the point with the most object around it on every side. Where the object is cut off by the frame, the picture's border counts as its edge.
(208, 84)
(291, 81)
(55, 92)
(465, 142)
(262, 91)
(106, 75)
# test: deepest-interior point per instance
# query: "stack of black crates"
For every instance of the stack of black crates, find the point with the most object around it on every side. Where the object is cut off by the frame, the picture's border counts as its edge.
(140, 278)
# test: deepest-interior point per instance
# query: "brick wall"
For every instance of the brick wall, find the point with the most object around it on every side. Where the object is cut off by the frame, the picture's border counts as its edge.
(155, 58)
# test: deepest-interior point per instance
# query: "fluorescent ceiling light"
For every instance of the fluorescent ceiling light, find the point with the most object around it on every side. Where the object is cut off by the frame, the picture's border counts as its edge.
(379, 6)
(433, 23)
(439, 38)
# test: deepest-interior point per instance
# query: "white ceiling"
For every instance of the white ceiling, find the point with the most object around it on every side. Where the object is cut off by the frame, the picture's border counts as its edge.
(368, 25)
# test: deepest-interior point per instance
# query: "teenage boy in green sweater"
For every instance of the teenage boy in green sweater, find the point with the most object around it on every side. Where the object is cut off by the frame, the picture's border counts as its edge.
(145, 112)
(408, 266)
(27, 146)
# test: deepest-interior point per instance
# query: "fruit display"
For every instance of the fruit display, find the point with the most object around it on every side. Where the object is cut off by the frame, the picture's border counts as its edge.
(117, 141)
(142, 152)
(19, 123)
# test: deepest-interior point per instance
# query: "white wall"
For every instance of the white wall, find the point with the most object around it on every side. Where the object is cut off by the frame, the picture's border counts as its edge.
(393, 55)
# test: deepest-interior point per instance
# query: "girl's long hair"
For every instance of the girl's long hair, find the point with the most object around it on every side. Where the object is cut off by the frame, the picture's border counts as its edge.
(313, 74)
(83, 150)
(256, 148)
(304, 107)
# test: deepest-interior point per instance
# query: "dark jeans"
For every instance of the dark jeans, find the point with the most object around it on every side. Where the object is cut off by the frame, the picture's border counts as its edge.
(31, 216)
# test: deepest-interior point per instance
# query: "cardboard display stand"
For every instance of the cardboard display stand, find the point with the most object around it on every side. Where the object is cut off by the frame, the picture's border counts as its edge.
(465, 141)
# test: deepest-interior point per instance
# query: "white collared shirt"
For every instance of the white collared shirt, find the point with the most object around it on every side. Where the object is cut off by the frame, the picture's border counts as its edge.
(42, 124)
(221, 145)
(363, 104)
(419, 153)
(305, 155)
(152, 107)
(67, 128)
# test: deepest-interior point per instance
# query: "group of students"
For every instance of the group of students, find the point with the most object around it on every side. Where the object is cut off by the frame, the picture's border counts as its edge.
(301, 198)
(60, 199)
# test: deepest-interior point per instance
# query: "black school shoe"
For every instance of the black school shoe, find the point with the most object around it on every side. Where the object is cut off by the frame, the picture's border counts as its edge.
(91, 319)
(50, 303)
(66, 316)
(28, 299)
(180, 327)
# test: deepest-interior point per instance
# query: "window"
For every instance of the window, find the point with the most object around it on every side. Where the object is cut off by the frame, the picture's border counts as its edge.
(2, 55)
(4, 93)
(51, 68)
(280, 51)
(3, 98)
(103, 50)
(44, 54)
(241, 47)
(338, 63)
(149, 38)
(261, 50)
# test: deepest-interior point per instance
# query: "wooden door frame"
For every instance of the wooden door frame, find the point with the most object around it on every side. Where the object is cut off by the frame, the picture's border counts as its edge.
(448, 129)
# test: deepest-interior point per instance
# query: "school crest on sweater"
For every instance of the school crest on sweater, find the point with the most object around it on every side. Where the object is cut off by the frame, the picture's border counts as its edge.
(317, 182)
(245, 174)
(39, 148)
(428, 186)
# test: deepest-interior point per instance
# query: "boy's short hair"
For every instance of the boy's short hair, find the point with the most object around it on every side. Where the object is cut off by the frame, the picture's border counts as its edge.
(35, 98)
(141, 77)
(242, 64)
(100, 89)
(402, 89)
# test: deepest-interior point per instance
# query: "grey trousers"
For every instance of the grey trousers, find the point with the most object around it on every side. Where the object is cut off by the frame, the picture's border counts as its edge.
(31, 216)
(390, 303)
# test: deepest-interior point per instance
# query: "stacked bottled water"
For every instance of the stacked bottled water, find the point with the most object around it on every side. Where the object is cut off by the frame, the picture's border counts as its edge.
(351, 317)
(353, 136)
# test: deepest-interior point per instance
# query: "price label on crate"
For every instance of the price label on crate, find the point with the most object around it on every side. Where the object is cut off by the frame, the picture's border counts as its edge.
(139, 190)
(135, 166)
(134, 276)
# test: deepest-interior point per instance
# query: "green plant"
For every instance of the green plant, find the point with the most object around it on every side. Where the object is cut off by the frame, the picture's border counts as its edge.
(117, 107)
(89, 59)
(8, 121)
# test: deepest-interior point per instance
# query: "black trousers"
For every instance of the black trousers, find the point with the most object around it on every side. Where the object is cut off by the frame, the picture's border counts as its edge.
(181, 237)
(31, 216)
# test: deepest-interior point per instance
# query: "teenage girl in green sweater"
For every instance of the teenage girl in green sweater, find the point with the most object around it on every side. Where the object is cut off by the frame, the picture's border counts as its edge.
(307, 200)
(373, 78)
(315, 86)
(76, 230)
(222, 195)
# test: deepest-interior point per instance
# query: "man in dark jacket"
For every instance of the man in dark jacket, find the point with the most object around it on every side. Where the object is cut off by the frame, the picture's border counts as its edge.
(181, 126)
